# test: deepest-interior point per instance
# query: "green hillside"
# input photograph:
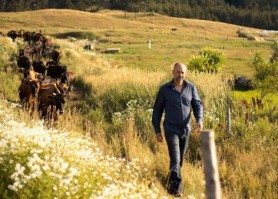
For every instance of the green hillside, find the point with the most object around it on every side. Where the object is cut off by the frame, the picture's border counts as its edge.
(254, 13)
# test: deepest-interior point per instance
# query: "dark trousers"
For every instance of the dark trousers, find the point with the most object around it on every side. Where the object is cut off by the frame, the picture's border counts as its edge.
(177, 145)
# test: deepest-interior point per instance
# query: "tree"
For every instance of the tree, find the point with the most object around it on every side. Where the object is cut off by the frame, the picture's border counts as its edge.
(3, 5)
(65, 4)
(266, 75)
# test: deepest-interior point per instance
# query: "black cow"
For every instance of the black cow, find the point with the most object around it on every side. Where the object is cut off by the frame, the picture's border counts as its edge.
(68, 78)
(39, 67)
(27, 37)
(55, 70)
(12, 34)
(35, 37)
(23, 63)
(56, 55)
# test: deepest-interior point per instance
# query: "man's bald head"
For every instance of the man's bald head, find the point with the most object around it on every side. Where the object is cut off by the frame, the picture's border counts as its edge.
(179, 64)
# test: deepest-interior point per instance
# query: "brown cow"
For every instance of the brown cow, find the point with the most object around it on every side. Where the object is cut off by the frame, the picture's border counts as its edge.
(51, 102)
(28, 51)
(47, 48)
(28, 91)
(33, 75)
(37, 50)
(63, 88)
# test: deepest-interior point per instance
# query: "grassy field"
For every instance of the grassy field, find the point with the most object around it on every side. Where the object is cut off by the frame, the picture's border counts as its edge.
(270, 99)
(115, 110)
(173, 39)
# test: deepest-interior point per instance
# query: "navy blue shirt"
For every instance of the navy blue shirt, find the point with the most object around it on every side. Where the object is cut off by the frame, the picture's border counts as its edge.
(177, 107)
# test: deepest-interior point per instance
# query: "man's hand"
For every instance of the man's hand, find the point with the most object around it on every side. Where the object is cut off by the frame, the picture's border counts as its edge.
(200, 126)
(159, 137)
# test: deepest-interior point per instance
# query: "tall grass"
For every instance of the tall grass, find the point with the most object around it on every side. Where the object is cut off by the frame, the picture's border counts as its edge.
(42, 163)
(8, 69)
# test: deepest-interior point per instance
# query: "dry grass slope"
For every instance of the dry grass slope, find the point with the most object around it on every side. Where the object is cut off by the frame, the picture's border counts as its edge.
(172, 38)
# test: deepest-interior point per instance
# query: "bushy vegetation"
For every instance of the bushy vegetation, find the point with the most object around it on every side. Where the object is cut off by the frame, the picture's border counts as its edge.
(266, 74)
(8, 69)
(208, 60)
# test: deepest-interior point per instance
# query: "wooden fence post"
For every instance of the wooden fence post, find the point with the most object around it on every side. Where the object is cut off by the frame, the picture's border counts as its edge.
(228, 123)
(213, 188)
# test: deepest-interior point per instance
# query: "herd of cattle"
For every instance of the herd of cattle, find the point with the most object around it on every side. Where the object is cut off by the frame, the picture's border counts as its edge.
(46, 84)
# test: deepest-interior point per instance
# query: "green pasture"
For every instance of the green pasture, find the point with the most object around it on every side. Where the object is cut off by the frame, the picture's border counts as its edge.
(271, 100)
(172, 39)
(161, 55)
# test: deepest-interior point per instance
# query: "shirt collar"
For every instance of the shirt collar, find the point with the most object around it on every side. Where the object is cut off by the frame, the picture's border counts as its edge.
(171, 83)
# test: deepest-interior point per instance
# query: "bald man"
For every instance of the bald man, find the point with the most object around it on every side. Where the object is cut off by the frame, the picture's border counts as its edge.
(176, 99)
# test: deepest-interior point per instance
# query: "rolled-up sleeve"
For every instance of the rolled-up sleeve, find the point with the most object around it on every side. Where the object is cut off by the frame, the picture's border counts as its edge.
(158, 109)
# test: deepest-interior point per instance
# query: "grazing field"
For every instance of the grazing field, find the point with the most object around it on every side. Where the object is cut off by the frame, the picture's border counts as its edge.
(172, 38)
(113, 103)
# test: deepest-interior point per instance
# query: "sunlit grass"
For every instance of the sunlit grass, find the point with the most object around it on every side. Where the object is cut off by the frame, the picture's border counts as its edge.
(270, 100)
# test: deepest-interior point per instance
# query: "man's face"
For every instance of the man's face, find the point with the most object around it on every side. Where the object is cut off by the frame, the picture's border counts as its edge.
(179, 72)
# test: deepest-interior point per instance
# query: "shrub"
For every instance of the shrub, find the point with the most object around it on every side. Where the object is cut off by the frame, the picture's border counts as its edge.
(9, 79)
(275, 53)
(266, 74)
(9, 85)
(209, 59)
